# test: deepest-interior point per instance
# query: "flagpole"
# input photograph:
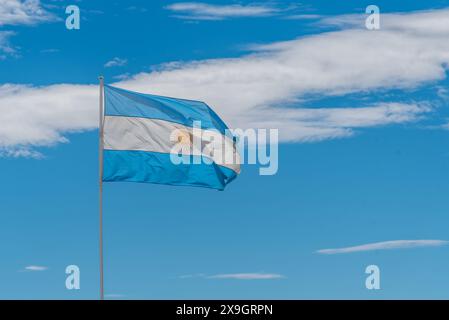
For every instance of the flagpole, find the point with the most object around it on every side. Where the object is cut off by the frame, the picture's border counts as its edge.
(100, 157)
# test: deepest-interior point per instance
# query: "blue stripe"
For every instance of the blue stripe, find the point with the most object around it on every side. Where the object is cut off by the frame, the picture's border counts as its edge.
(120, 102)
(154, 167)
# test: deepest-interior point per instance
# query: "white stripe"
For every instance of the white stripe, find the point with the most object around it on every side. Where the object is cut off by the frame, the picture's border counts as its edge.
(154, 135)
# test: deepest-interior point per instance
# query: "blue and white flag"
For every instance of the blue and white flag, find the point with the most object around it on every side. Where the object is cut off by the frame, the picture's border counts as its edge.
(155, 139)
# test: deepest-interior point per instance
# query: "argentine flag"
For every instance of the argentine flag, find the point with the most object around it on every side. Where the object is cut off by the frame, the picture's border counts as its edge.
(155, 139)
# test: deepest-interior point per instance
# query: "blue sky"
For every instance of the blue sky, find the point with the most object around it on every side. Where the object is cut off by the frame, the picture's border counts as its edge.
(362, 117)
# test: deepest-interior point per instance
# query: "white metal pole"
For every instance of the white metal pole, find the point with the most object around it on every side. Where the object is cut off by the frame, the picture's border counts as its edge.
(100, 157)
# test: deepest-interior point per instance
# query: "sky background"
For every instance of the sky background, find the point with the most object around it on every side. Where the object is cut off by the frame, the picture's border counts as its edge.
(364, 153)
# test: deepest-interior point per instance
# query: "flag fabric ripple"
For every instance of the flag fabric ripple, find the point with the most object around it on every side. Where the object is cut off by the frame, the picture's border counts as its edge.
(138, 141)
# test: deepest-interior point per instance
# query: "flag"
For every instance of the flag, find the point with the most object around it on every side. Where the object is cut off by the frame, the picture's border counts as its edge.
(156, 139)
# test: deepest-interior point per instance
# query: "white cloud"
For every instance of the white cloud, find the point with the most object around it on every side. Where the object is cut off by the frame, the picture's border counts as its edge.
(16, 12)
(5, 47)
(122, 76)
(35, 268)
(236, 276)
(316, 124)
(247, 276)
(28, 12)
(116, 62)
(205, 11)
(421, 22)
(266, 88)
(386, 245)
(20, 152)
(443, 93)
(304, 17)
(38, 116)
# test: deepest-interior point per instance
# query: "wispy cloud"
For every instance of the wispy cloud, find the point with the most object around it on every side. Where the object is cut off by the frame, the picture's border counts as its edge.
(206, 11)
(247, 276)
(19, 12)
(35, 268)
(443, 93)
(51, 50)
(237, 276)
(116, 62)
(95, 11)
(386, 245)
(27, 12)
(20, 152)
(123, 76)
(304, 17)
(6, 49)
(137, 9)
